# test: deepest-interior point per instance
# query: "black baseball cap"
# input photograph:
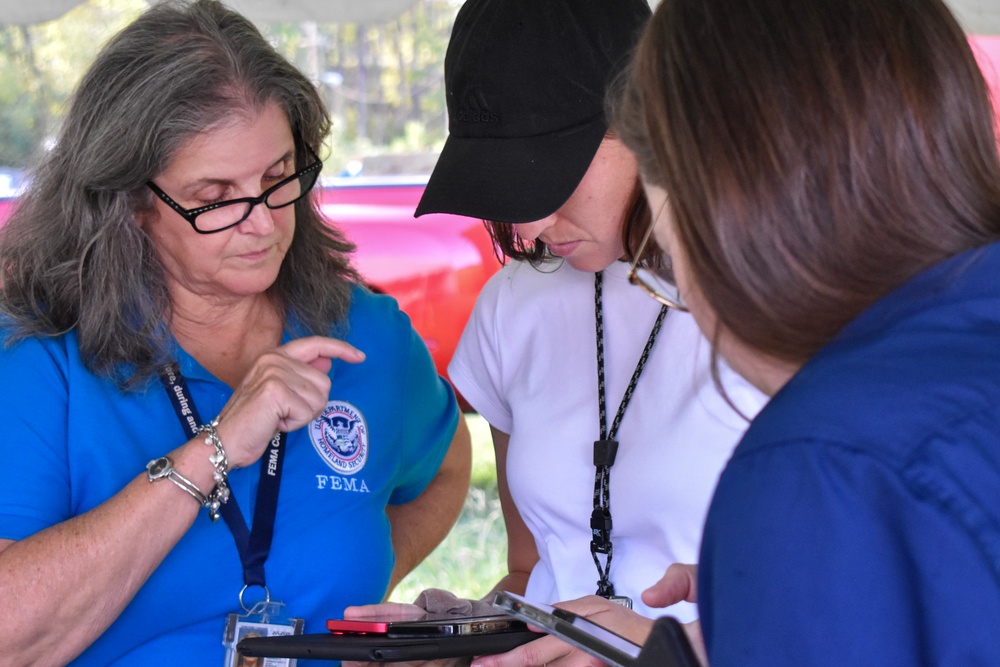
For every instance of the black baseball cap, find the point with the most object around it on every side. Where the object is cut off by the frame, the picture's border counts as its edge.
(525, 82)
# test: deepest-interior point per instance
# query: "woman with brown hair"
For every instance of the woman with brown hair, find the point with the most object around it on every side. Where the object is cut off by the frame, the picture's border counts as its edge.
(824, 176)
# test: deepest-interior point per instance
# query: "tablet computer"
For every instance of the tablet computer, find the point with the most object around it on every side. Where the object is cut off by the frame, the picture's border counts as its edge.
(381, 648)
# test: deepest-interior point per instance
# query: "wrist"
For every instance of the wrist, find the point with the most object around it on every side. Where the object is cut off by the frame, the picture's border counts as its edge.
(197, 477)
(220, 463)
(163, 468)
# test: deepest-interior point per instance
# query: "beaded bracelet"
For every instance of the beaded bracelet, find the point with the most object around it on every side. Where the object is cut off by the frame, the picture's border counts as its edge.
(220, 493)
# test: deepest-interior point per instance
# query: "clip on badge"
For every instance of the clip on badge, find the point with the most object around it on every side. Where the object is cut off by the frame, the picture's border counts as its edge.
(267, 618)
(623, 600)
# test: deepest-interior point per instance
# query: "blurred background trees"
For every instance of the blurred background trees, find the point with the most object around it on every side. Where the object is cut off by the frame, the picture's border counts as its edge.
(383, 82)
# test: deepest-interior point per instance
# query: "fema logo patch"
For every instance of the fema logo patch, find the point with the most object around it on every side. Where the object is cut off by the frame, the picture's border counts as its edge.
(340, 436)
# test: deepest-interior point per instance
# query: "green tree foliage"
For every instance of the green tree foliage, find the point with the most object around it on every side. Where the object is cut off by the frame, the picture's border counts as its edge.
(17, 105)
(383, 82)
(39, 67)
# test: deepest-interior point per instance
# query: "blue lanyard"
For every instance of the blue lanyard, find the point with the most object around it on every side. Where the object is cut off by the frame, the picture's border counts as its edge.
(253, 545)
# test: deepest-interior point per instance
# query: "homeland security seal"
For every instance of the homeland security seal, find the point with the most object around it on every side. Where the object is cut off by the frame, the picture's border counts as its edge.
(340, 436)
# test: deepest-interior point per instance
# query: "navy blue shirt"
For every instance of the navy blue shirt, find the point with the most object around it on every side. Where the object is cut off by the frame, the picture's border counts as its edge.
(858, 522)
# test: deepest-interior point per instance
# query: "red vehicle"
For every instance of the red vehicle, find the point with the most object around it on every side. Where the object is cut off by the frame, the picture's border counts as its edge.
(434, 265)
(987, 50)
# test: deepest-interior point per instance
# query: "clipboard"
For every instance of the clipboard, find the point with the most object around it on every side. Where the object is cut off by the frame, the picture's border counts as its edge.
(379, 648)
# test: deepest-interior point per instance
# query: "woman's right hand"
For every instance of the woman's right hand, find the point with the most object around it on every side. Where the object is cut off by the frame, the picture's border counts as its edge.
(285, 389)
(394, 611)
(679, 583)
(385, 611)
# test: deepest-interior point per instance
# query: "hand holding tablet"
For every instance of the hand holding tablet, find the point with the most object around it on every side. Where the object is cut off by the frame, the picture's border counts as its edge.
(398, 640)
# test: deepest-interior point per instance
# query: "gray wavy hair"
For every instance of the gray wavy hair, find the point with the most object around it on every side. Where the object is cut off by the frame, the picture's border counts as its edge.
(73, 257)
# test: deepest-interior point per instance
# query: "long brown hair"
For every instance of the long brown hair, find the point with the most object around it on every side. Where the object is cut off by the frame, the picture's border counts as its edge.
(815, 154)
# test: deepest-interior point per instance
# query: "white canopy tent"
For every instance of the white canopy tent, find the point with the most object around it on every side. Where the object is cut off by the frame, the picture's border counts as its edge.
(29, 12)
(979, 17)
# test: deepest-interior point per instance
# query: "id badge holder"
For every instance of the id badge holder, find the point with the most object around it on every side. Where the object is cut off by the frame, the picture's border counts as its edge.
(621, 600)
(267, 618)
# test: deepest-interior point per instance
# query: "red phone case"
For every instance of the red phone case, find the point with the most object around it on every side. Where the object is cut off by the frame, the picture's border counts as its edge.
(344, 626)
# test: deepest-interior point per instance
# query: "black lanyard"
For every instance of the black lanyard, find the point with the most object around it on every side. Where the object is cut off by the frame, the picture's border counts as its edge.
(252, 545)
(606, 448)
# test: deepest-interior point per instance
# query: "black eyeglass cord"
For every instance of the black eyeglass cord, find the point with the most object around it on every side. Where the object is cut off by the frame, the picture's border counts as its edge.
(606, 448)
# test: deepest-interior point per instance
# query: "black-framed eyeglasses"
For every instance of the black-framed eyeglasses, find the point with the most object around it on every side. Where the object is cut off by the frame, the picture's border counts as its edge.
(222, 215)
(657, 284)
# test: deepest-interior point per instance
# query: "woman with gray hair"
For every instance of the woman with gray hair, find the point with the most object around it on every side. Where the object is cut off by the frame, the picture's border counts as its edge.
(181, 329)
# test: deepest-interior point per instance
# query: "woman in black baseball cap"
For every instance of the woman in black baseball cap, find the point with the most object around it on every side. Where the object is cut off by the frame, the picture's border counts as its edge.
(609, 429)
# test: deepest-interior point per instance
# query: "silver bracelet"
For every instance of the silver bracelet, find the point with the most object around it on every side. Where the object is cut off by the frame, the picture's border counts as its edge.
(189, 486)
(163, 468)
(220, 493)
